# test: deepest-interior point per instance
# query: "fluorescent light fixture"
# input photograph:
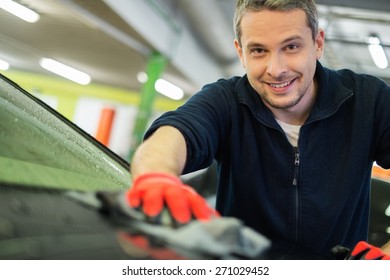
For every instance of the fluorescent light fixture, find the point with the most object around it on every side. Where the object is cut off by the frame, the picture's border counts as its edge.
(4, 65)
(18, 10)
(168, 89)
(377, 52)
(65, 71)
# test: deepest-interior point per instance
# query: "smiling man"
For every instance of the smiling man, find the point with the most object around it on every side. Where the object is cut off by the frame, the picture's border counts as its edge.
(294, 141)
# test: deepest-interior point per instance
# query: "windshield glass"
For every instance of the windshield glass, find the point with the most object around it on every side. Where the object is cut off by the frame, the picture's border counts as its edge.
(39, 147)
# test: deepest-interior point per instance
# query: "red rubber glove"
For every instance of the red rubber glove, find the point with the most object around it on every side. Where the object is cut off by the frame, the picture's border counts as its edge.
(365, 251)
(153, 191)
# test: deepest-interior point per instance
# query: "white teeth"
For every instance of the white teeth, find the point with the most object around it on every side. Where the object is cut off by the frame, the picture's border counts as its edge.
(280, 85)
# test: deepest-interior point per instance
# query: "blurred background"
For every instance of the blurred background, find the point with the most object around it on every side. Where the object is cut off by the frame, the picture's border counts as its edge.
(119, 45)
(128, 61)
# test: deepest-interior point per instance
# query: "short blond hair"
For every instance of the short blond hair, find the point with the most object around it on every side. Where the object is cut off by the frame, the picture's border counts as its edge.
(308, 6)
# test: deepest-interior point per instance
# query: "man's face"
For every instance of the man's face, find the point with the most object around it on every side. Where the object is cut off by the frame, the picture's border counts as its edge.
(279, 54)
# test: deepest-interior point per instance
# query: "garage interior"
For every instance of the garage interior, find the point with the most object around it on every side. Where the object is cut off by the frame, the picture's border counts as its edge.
(115, 42)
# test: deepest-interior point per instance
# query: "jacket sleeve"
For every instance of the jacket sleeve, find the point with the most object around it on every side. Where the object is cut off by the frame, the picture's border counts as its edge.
(203, 120)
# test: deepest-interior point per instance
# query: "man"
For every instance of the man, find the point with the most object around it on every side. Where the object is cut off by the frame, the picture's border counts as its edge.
(294, 141)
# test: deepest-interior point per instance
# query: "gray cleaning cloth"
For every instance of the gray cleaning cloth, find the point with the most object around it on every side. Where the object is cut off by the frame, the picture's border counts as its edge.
(219, 238)
(224, 238)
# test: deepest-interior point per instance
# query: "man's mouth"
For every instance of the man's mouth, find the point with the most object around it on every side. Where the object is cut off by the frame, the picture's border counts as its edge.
(280, 85)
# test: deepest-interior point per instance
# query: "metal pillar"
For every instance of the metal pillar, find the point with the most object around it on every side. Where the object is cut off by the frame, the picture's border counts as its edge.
(155, 66)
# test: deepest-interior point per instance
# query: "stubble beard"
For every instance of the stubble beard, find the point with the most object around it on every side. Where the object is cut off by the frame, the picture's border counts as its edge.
(267, 98)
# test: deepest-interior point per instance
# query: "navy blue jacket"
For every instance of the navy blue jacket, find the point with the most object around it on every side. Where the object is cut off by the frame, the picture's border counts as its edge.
(316, 196)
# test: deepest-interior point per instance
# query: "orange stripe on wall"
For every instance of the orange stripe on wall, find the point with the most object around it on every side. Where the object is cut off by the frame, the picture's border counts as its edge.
(105, 124)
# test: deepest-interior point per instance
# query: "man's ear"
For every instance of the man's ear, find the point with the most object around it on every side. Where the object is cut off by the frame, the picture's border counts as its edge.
(239, 52)
(320, 42)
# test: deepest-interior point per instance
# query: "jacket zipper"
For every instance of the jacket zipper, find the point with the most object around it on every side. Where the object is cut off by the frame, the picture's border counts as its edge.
(296, 194)
(296, 167)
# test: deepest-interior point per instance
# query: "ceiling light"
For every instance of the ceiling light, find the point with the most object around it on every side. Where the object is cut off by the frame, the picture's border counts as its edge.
(4, 65)
(18, 10)
(388, 230)
(168, 89)
(65, 71)
(142, 77)
(377, 52)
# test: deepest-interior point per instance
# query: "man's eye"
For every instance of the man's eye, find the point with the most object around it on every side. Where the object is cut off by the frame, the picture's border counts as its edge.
(257, 51)
(292, 47)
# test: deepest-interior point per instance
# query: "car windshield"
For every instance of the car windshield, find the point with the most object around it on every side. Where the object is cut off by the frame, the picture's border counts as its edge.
(39, 147)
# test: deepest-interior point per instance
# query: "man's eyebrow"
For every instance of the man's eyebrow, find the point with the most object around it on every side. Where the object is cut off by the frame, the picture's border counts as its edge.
(292, 38)
(255, 45)
(287, 40)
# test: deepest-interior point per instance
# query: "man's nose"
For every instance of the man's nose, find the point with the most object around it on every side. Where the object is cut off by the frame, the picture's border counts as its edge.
(276, 65)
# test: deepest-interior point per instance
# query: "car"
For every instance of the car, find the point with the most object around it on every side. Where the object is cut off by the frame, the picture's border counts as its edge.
(63, 196)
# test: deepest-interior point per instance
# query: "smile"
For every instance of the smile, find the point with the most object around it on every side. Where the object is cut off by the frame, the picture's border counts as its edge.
(281, 85)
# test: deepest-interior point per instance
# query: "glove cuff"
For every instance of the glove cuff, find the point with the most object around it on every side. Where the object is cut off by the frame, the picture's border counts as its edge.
(156, 177)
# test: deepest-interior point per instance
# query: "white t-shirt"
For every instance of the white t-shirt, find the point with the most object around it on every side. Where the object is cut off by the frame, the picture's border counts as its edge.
(292, 132)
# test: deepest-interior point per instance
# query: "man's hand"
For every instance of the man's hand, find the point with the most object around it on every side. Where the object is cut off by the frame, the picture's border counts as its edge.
(153, 191)
(365, 251)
